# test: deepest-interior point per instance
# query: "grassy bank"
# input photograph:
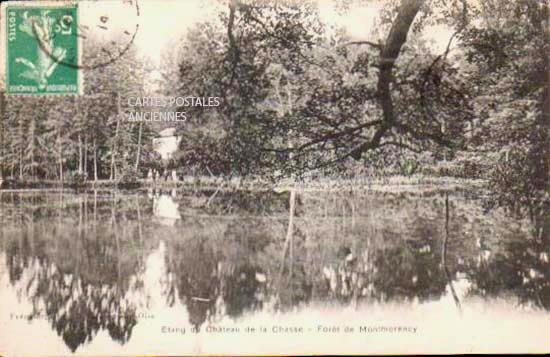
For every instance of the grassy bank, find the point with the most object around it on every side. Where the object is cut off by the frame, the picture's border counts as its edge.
(385, 184)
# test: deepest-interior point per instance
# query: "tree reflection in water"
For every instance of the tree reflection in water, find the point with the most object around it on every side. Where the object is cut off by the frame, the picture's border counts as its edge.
(77, 273)
(520, 266)
(80, 259)
(195, 276)
(211, 287)
(213, 274)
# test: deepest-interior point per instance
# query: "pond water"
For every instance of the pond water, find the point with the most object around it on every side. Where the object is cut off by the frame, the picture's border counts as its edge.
(106, 272)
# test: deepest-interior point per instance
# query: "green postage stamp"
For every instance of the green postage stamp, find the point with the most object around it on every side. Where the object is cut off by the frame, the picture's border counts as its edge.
(42, 49)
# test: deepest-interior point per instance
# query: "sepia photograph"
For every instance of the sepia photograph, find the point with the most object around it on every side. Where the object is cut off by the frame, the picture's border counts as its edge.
(274, 177)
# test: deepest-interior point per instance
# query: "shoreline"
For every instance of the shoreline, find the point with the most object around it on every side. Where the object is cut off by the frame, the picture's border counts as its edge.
(386, 184)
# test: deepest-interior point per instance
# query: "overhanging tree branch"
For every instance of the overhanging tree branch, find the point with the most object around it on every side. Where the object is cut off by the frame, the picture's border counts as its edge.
(396, 38)
(388, 55)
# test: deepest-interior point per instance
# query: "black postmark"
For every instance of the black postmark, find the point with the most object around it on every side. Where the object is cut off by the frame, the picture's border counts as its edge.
(118, 40)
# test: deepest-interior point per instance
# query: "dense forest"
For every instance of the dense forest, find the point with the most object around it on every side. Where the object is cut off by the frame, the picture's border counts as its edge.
(302, 98)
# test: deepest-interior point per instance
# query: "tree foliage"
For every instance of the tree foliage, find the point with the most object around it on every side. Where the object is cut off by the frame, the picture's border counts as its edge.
(300, 96)
(506, 61)
(67, 137)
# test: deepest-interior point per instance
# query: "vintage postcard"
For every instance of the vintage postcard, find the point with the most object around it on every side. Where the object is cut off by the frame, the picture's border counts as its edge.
(274, 177)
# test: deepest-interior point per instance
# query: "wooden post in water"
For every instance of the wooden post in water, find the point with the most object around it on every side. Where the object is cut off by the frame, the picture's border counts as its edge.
(444, 255)
(289, 234)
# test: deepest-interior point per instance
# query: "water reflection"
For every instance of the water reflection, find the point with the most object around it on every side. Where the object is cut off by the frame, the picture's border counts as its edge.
(74, 269)
(165, 209)
(85, 262)
(520, 267)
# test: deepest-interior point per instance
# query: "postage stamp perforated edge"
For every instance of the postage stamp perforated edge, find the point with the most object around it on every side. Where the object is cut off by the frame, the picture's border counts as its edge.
(4, 44)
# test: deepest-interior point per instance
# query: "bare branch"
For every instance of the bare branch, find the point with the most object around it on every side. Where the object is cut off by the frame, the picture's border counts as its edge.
(332, 136)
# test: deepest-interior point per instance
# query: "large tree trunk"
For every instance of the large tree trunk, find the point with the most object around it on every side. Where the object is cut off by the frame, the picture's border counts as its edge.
(390, 52)
(388, 55)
